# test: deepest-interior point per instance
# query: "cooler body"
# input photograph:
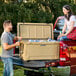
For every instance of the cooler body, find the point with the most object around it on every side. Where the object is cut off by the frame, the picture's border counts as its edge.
(39, 50)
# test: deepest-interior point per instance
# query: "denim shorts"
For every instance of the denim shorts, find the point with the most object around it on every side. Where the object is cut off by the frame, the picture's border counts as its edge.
(63, 38)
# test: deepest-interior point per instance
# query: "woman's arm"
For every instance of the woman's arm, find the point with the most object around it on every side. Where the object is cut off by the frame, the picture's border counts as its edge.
(71, 28)
(64, 28)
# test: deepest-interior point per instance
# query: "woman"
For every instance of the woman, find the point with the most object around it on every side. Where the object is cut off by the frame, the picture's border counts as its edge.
(69, 25)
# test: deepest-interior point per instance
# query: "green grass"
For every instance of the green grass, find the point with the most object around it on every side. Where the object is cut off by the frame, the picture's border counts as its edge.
(0, 50)
(1, 68)
(19, 71)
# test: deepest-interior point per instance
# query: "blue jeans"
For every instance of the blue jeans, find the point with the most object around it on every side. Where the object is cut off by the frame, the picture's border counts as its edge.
(63, 38)
(8, 66)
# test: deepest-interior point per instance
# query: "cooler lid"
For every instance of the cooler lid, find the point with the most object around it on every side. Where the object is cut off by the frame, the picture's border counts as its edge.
(35, 30)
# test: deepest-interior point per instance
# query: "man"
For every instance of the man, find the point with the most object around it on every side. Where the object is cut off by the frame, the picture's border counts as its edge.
(7, 48)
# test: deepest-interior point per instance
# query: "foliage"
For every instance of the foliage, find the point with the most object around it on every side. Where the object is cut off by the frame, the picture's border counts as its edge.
(36, 11)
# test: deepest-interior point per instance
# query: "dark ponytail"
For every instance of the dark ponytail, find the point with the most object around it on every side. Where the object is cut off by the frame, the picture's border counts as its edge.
(69, 13)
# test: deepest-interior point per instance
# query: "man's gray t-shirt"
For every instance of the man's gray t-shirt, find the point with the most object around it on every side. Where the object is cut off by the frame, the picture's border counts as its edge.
(7, 37)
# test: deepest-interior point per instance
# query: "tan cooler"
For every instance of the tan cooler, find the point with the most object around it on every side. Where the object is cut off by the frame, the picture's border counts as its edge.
(37, 50)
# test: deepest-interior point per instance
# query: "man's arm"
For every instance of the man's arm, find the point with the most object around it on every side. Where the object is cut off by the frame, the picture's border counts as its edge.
(7, 47)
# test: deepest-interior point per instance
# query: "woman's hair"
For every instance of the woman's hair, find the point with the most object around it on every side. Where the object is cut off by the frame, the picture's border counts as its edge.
(67, 7)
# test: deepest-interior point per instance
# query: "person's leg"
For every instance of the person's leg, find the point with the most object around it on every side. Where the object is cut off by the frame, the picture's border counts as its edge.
(8, 66)
(5, 66)
(63, 38)
(10, 63)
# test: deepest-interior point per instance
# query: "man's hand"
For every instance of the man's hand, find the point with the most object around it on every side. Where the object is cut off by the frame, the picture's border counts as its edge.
(19, 38)
(7, 47)
(17, 44)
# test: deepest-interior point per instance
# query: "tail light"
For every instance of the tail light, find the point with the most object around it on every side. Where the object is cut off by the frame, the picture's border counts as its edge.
(62, 59)
(64, 55)
(51, 64)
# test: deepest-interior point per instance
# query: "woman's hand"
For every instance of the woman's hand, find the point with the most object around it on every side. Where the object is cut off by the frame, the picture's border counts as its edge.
(61, 35)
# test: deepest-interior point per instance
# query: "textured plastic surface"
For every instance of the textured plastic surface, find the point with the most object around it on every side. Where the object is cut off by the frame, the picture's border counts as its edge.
(37, 50)
(35, 30)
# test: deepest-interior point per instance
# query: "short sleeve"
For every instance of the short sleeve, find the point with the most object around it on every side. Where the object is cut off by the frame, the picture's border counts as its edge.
(72, 18)
(5, 38)
(12, 35)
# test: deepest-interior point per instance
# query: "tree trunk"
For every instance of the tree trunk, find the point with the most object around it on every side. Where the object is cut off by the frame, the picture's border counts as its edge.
(74, 1)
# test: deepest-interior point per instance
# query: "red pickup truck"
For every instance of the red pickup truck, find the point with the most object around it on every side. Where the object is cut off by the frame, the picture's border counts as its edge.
(67, 48)
(67, 54)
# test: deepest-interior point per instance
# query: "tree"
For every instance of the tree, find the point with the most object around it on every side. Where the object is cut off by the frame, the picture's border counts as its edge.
(33, 11)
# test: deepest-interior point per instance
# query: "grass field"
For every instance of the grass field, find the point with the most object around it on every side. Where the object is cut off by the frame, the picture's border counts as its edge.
(0, 50)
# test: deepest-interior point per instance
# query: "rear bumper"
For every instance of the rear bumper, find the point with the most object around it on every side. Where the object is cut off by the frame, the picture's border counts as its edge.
(61, 70)
(33, 64)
